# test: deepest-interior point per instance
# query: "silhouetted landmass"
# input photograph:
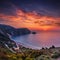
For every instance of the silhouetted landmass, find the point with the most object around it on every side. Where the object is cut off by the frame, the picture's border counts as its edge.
(33, 32)
(13, 31)
(23, 31)
(6, 32)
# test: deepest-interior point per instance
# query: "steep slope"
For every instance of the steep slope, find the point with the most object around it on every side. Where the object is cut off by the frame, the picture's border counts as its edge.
(6, 32)
(13, 31)
(5, 41)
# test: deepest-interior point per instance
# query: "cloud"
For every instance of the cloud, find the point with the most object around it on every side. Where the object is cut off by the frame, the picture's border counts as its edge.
(58, 24)
(22, 18)
(29, 17)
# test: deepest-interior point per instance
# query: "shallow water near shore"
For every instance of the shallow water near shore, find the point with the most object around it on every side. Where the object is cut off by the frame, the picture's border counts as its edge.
(39, 40)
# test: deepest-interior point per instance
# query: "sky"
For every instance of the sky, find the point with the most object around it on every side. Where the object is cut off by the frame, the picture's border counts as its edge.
(32, 14)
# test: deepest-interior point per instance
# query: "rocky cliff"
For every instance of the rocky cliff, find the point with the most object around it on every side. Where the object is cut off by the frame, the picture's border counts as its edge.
(7, 31)
(14, 31)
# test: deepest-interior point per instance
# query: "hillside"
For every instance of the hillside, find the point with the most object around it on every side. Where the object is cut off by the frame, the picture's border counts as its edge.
(9, 50)
(14, 31)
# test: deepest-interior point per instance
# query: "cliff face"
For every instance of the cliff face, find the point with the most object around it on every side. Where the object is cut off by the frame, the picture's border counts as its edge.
(7, 31)
(23, 31)
(6, 42)
(13, 31)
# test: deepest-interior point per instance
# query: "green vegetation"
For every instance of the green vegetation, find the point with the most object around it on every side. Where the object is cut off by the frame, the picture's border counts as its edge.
(29, 54)
(55, 55)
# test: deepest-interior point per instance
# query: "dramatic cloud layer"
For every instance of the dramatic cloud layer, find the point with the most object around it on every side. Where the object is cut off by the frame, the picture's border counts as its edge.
(30, 14)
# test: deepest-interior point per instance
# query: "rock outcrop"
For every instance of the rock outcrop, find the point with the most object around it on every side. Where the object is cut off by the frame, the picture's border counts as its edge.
(14, 31)
(5, 39)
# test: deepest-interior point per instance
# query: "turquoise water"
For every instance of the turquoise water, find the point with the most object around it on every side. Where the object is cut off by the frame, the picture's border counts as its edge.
(39, 40)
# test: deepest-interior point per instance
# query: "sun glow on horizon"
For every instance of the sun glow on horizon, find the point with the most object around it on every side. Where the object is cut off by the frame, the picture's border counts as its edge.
(45, 28)
(30, 20)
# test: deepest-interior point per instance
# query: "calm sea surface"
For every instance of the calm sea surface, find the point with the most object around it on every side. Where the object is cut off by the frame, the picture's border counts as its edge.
(39, 40)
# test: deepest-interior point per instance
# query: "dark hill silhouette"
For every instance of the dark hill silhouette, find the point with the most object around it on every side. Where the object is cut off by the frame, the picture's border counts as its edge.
(6, 32)
(13, 31)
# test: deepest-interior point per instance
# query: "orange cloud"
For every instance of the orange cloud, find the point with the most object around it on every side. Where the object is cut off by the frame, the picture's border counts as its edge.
(31, 20)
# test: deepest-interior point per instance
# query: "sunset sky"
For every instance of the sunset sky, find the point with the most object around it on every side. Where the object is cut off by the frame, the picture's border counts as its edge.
(32, 14)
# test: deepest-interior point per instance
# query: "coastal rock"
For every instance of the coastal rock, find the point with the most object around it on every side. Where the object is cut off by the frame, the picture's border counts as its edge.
(5, 39)
(33, 32)
(13, 31)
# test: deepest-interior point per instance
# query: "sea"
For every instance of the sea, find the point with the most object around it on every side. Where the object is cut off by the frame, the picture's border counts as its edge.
(39, 40)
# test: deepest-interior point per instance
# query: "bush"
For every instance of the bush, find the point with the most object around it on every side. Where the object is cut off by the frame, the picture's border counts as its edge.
(55, 55)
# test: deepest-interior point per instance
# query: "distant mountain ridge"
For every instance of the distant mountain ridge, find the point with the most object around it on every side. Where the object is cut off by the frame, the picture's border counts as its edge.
(13, 31)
